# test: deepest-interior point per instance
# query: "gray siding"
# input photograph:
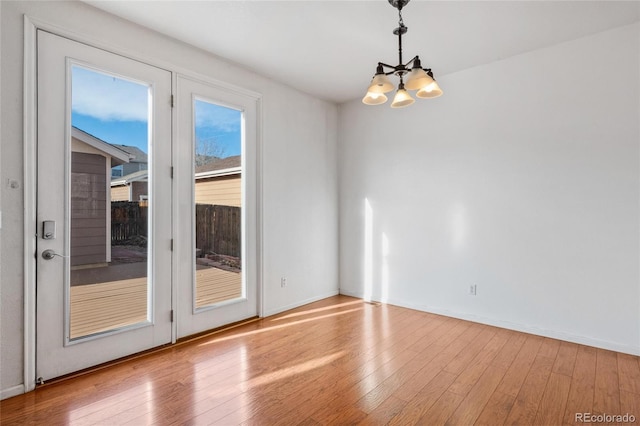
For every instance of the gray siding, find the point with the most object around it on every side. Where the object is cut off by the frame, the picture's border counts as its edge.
(88, 209)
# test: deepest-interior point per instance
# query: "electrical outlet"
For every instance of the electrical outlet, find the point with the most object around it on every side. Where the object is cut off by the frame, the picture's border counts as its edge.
(472, 290)
(283, 282)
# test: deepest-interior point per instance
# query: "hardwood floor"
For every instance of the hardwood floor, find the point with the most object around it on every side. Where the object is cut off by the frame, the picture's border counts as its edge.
(341, 361)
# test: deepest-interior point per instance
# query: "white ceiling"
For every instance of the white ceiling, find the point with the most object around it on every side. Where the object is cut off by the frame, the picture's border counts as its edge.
(330, 48)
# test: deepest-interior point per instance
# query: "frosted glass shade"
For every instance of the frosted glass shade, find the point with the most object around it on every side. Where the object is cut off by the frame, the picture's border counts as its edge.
(373, 98)
(380, 84)
(418, 79)
(402, 99)
(430, 91)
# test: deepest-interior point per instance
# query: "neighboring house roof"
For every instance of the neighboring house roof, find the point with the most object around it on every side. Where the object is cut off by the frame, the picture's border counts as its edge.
(118, 156)
(141, 175)
(220, 167)
(136, 154)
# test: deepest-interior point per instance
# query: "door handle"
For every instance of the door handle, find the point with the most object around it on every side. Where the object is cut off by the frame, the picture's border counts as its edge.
(50, 254)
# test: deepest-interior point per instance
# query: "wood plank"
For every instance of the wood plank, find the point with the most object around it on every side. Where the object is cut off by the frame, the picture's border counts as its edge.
(549, 348)
(417, 407)
(384, 412)
(496, 410)
(472, 405)
(526, 404)
(629, 373)
(630, 404)
(476, 367)
(442, 409)
(520, 366)
(606, 394)
(554, 400)
(580, 399)
(566, 359)
(509, 351)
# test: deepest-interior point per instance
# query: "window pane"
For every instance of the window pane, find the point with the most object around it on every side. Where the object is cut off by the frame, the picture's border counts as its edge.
(218, 199)
(109, 207)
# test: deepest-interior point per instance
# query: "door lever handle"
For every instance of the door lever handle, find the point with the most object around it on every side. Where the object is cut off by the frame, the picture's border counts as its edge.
(50, 254)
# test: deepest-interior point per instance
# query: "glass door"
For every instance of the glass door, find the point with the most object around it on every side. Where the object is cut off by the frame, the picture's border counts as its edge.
(104, 206)
(215, 162)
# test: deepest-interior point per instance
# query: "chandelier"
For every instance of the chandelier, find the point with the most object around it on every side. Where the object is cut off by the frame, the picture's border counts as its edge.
(417, 78)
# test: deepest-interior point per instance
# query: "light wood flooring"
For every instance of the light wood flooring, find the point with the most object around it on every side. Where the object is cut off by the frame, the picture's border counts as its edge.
(340, 361)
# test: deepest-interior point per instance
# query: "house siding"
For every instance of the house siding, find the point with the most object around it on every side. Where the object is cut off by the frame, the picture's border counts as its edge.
(88, 209)
(120, 193)
(224, 190)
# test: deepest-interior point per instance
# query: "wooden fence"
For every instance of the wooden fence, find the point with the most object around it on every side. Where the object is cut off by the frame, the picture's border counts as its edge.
(218, 229)
(128, 221)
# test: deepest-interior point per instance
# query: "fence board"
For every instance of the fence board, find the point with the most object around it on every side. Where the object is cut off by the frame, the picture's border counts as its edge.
(128, 220)
(218, 229)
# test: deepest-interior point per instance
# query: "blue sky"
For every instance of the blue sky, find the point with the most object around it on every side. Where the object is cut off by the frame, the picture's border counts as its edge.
(115, 110)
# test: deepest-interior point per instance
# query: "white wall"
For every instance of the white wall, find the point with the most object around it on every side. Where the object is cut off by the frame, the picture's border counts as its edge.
(523, 179)
(299, 183)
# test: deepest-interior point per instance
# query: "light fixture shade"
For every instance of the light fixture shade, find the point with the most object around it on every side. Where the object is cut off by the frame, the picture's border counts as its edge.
(418, 79)
(373, 98)
(402, 99)
(380, 84)
(431, 91)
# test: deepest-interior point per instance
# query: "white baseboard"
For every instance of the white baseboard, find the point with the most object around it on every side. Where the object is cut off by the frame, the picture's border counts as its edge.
(352, 294)
(300, 303)
(12, 391)
(524, 328)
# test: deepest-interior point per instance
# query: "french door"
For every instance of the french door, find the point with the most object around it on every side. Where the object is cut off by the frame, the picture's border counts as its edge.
(103, 266)
(215, 177)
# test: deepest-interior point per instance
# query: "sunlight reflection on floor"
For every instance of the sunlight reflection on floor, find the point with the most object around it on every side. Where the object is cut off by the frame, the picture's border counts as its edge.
(274, 327)
(310, 311)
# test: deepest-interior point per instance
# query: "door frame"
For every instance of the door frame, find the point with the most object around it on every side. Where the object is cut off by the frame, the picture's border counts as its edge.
(31, 25)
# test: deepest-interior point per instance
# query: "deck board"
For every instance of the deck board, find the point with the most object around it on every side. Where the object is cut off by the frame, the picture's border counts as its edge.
(100, 307)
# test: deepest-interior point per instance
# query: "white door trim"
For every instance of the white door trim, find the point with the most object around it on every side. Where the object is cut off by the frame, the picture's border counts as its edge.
(31, 25)
(29, 179)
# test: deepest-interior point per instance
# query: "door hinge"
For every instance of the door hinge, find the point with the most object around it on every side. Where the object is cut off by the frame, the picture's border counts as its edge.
(171, 244)
(171, 315)
(171, 101)
(171, 172)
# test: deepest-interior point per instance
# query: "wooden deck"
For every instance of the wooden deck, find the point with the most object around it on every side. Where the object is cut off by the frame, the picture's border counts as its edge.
(97, 308)
(216, 285)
